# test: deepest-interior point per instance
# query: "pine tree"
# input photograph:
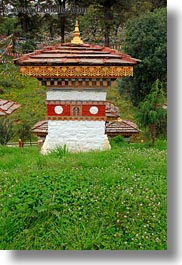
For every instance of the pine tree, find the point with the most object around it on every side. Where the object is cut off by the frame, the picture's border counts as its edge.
(152, 112)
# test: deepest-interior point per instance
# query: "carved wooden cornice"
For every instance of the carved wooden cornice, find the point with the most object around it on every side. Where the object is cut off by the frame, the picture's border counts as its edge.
(77, 71)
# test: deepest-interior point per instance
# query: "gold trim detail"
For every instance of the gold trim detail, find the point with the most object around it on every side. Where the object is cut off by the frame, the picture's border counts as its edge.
(77, 71)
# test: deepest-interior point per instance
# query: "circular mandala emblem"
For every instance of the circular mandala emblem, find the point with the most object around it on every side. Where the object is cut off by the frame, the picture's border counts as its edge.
(94, 110)
(58, 109)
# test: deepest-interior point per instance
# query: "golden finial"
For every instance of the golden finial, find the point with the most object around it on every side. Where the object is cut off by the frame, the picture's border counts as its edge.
(76, 36)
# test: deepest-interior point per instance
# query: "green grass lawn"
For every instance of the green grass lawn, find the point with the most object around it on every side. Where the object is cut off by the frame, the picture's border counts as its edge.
(111, 200)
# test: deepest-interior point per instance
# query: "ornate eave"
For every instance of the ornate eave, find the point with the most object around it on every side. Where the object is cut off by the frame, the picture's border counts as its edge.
(77, 71)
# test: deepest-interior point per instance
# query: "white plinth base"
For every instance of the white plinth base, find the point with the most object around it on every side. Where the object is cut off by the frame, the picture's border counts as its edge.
(78, 136)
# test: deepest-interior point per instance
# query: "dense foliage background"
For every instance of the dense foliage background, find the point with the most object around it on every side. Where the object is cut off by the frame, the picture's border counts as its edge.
(146, 39)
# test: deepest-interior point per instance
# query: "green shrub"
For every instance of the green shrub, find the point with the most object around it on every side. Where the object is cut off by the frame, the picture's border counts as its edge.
(6, 131)
(117, 140)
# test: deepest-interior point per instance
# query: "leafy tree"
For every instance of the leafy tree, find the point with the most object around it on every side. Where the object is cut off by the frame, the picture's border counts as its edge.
(140, 6)
(17, 8)
(105, 17)
(6, 131)
(146, 39)
(152, 113)
(8, 25)
(29, 45)
(113, 14)
(158, 4)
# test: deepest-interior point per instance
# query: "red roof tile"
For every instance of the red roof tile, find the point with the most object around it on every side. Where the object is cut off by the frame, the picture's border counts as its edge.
(123, 127)
(112, 111)
(7, 107)
(71, 54)
(41, 127)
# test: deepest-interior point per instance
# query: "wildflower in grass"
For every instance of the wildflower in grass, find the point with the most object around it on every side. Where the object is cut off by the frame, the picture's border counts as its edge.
(89, 202)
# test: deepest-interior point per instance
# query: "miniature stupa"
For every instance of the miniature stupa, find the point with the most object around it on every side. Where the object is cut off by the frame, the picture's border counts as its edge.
(77, 76)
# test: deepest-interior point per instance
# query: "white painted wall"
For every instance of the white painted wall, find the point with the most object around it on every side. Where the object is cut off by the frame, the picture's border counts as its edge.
(76, 135)
(99, 95)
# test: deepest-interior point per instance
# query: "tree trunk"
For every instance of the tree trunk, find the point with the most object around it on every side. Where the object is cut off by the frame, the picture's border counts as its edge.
(62, 20)
(62, 24)
(107, 16)
(24, 20)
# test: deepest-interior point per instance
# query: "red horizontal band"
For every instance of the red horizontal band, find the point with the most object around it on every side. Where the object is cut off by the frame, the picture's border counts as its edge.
(77, 110)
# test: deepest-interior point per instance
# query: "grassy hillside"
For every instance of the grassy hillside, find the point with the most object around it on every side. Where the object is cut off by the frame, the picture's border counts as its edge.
(27, 92)
(127, 110)
(97, 200)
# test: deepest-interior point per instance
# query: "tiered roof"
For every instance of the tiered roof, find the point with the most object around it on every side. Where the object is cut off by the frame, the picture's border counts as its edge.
(76, 54)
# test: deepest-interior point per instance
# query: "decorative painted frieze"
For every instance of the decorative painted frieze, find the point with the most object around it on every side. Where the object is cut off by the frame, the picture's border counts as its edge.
(77, 71)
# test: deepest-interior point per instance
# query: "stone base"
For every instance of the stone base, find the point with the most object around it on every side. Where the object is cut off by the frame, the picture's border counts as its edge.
(44, 149)
(78, 136)
(107, 145)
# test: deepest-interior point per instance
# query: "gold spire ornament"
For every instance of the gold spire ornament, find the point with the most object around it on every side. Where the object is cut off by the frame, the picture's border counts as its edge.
(76, 36)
